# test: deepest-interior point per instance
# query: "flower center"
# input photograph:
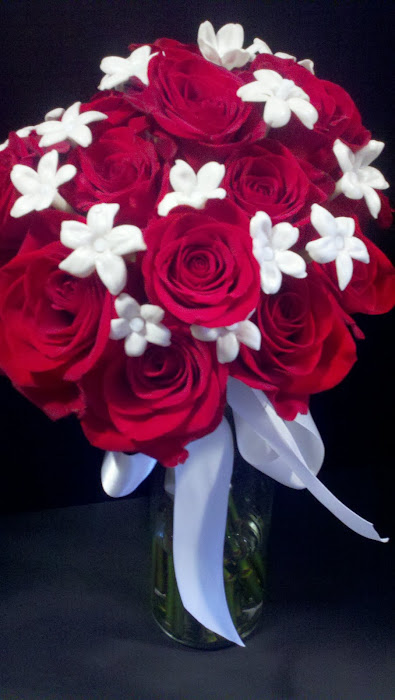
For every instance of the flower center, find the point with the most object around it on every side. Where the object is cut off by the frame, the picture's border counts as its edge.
(284, 90)
(339, 242)
(100, 245)
(137, 324)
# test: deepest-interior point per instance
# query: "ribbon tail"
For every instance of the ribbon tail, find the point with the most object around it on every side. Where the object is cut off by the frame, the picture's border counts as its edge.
(294, 452)
(200, 512)
(121, 474)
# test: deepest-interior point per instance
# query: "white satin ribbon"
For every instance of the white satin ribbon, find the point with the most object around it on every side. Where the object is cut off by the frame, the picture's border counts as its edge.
(121, 473)
(200, 510)
(296, 450)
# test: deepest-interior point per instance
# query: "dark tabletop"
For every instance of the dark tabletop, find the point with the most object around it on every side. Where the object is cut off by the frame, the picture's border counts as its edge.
(76, 621)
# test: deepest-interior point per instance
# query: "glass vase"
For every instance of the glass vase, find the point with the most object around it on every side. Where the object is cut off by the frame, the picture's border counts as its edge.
(245, 547)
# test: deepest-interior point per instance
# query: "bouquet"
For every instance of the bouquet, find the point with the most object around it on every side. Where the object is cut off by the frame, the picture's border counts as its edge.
(194, 236)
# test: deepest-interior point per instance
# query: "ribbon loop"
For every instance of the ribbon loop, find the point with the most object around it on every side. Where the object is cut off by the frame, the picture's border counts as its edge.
(121, 474)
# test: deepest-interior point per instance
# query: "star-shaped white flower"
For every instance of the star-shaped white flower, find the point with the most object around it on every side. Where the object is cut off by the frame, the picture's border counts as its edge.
(139, 325)
(4, 145)
(98, 246)
(270, 248)
(224, 48)
(72, 126)
(360, 179)
(337, 242)
(40, 189)
(228, 338)
(282, 97)
(119, 70)
(191, 189)
(260, 46)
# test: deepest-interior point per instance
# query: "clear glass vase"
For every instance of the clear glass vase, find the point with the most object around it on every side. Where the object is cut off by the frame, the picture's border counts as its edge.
(245, 547)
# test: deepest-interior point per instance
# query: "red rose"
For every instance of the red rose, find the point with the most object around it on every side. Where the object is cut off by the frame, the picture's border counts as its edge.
(156, 403)
(196, 100)
(267, 177)
(199, 266)
(122, 165)
(338, 116)
(306, 346)
(53, 327)
(371, 289)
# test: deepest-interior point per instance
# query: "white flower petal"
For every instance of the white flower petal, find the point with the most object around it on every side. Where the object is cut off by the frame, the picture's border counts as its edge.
(157, 334)
(91, 116)
(284, 236)
(127, 307)
(119, 328)
(235, 58)
(350, 185)
(373, 177)
(230, 36)
(4, 145)
(101, 216)
(249, 334)
(271, 277)
(206, 334)
(114, 64)
(261, 226)
(64, 174)
(372, 199)
(368, 153)
(270, 78)
(81, 134)
(291, 264)
(80, 263)
(308, 64)
(152, 313)
(45, 198)
(125, 239)
(24, 179)
(52, 138)
(227, 348)
(56, 113)
(344, 155)
(345, 226)
(277, 112)
(259, 46)
(47, 166)
(323, 221)
(182, 177)
(71, 113)
(135, 345)
(169, 201)
(344, 268)
(357, 249)
(74, 234)
(112, 271)
(49, 127)
(23, 205)
(210, 176)
(253, 92)
(323, 250)
(304, 110)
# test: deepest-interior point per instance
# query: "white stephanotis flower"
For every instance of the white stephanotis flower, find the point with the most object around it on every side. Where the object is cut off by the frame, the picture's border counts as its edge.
(4, 145)
(360, 179)
(337, 242)
(72, 126)
(139, 325)
(40, 189)
(270, 248)
(193, 189)
(119, 70)
(98, 246)
(224, 48)
(282, 97)
(228, 338)
(260, 46)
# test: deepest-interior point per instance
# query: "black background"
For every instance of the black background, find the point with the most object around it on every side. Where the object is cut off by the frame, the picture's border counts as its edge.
(50, 56)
